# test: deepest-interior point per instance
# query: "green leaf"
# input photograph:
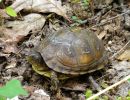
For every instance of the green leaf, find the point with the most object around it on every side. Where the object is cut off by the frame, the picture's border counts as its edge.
(10, 11)
(129, 80)
(74, 18)
(12, 88)
(105, 97)
(127, 98)
(104, 85)
(88, 93)
(86, 2)
(79, 21)
(74, 1)
(129, 92)
(118, 98)
(2, 98)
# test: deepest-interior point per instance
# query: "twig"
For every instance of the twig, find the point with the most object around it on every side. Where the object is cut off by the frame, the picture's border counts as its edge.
(120, 50)
(128, 11)
(99, 14)
(98, 87)
(110, 87)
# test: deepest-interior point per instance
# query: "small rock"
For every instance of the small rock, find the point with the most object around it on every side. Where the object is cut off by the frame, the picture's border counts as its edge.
(15, 98)
(11, 65)
(40, 95)
(109, 42)
(125, 55)
(41, 92)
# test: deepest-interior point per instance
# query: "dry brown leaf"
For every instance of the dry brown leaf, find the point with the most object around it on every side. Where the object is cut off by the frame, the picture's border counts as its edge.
(40, 6)
(31, 22)
(3, 14)
(109, 27)
(122, 69)
(20, 29)
(30, 89)
(102, 34)
(75, 86)
(125, 55)
(128, 2)
(11, 65)
(8, 40)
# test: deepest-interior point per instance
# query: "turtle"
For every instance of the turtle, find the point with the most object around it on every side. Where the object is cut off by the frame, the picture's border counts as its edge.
(68, 52)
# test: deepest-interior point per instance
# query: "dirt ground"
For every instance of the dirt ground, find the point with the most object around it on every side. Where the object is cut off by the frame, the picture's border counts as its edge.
(110, 20)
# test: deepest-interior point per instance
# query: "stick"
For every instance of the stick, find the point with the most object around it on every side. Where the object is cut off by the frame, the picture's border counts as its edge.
(97, 87)
(109, 19)
(114, 55)
(110, 87)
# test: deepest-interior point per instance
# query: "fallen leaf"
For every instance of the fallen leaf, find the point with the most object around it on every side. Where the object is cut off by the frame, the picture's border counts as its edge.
(74, 86)
(20, 29)
(8, 40)
(11, 65)
(125, 55)
(128, 2)
(30, 89)
(102, 34)
(109, 28)
(31, 22)
(4, 14)
(121, 69)
(43, 6)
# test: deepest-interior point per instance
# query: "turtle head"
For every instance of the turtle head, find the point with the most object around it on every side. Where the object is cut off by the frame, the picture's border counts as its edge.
(35, 58)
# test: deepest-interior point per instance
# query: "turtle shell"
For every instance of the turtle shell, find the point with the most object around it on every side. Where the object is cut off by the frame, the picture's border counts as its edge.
(73, 52)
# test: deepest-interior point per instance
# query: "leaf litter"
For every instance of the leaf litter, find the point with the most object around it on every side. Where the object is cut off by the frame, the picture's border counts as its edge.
(15, 31)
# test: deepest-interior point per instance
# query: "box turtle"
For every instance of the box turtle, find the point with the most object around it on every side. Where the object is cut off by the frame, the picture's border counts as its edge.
(69, 52)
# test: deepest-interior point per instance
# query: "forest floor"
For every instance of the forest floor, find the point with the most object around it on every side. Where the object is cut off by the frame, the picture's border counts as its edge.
(110, 20)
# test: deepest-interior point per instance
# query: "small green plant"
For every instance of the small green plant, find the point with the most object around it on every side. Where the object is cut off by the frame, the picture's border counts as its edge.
(11, 89)
(74, 1)
(88, 93)
(10, 11)
(129, 80)
(86, 2)
(76, 20)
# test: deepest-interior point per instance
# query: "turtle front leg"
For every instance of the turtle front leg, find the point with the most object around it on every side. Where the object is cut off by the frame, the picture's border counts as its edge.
(54, 82)
(55, 85)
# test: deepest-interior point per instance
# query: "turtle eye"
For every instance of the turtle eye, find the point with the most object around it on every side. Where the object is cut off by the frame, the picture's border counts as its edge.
(37, 56)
